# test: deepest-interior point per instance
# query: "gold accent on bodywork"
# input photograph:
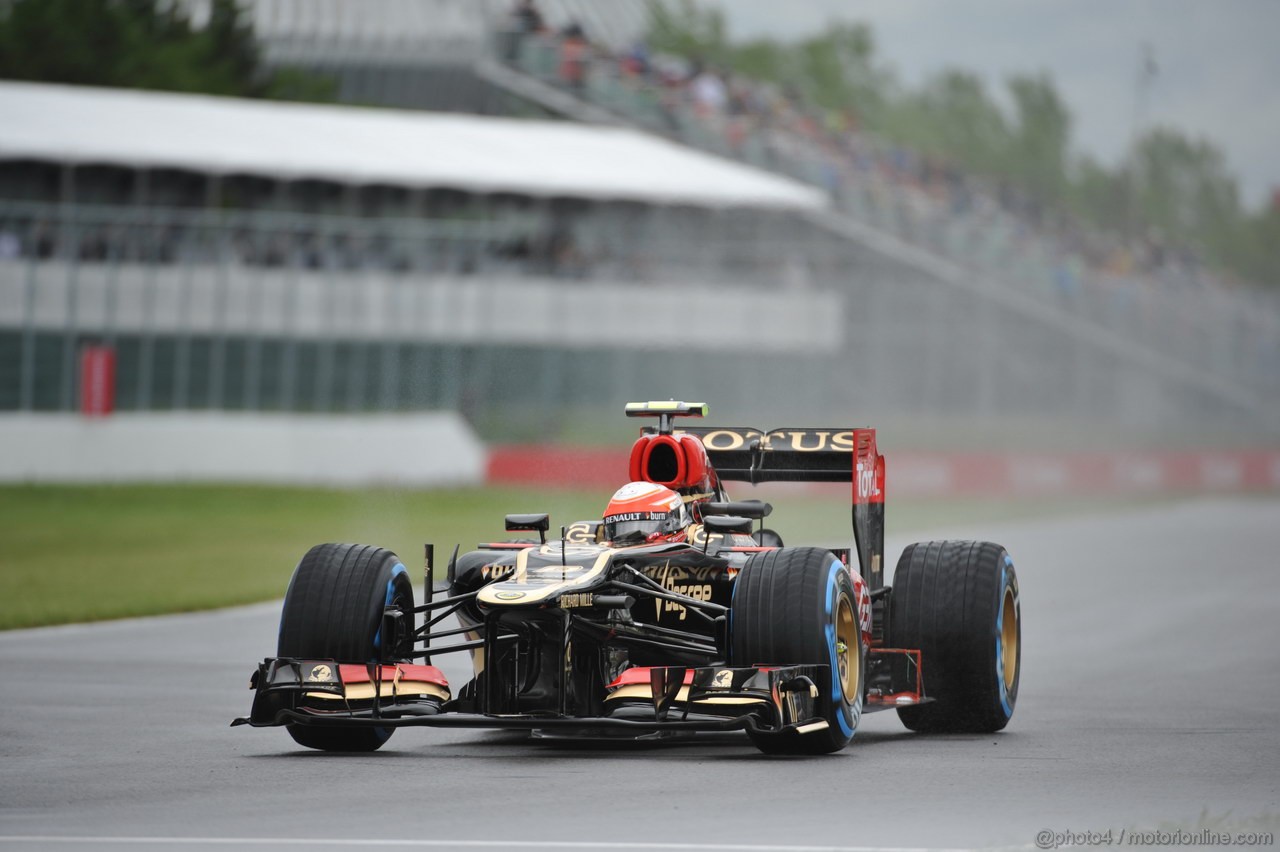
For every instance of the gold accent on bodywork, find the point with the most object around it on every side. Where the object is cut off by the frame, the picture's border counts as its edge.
(697, 534)
(542, 586)
(477, 654)
(391, 688)
(583, 532)
(644, 693)
(786, 440)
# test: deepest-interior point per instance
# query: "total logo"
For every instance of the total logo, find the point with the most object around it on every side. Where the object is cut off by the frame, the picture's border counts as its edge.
(866, 478)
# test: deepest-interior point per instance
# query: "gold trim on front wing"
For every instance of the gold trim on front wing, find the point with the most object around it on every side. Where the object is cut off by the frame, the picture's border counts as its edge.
(639, 691)
(403, 689)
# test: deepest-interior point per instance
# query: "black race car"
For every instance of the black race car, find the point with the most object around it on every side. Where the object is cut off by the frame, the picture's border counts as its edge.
(727, 629)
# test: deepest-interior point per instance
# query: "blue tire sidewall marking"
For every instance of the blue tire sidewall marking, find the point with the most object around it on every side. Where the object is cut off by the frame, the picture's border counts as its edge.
(847, 717)
(396, 571)
(1004, 689)
(384, 734)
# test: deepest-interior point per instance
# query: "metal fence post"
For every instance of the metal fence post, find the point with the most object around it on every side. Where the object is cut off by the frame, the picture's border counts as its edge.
(152, 254)
(27, 374)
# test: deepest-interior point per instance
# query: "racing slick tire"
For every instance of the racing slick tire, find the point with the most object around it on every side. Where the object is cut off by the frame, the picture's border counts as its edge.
(333, 610)
(797, 606)
(957, 602)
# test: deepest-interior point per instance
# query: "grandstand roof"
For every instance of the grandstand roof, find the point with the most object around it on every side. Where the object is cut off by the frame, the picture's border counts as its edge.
(374, 146)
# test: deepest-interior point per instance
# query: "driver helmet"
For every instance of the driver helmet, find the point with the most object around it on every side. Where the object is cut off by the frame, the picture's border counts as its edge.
(642, 513)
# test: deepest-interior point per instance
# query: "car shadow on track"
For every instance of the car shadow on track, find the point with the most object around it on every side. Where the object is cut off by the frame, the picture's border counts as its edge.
(509, 746)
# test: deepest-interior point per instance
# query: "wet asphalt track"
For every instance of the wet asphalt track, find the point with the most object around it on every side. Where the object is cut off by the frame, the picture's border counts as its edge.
(1150, 696)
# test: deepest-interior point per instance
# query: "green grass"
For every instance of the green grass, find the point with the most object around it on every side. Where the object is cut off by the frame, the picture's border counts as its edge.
(98, 552)
(88, 553)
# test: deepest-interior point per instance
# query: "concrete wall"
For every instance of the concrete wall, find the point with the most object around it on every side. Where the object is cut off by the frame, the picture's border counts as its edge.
(384, 449)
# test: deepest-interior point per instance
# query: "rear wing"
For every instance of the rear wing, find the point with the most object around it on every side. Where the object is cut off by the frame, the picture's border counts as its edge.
(810, 455)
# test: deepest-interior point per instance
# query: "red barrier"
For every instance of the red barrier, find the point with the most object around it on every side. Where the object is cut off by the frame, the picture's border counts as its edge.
(97, 381)
(954, 475)
(555, 465)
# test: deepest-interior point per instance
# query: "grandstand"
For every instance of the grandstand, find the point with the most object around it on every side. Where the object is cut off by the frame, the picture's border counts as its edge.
(254, 256)
(423, 54)
(996, 244)
(250, 255)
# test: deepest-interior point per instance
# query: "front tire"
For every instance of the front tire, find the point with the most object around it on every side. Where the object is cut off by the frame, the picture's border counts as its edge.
(333, 610)
(957, 602)
(797, 606)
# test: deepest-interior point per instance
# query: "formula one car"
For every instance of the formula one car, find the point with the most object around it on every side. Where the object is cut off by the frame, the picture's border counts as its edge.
(668, 616)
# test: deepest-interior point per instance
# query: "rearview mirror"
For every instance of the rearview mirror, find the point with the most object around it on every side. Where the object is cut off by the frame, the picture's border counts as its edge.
(756, 509)
(727, 524)
(540, 522)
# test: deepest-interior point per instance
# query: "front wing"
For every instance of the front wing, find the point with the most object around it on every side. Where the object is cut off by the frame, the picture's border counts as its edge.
(324, 692)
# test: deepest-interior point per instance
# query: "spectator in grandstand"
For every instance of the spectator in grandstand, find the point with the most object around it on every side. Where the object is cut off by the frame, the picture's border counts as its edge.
(636, 63)
(1066, 278)
(575, 54)
(94, 245)
(924, 199)
(567, 260)
(41, 242)
(525, 19)
(308, 253)
(710, 95)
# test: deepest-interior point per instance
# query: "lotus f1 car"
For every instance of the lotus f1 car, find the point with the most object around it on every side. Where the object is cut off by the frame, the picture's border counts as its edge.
(724, 629)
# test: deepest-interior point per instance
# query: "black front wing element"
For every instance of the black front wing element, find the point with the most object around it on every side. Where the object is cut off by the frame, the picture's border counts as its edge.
(766, 699)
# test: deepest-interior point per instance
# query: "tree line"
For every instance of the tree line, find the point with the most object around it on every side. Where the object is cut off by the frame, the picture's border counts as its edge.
(144, 44)
(1171, 188)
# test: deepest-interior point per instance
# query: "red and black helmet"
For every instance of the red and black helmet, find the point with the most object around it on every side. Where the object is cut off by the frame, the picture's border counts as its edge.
(643, 512)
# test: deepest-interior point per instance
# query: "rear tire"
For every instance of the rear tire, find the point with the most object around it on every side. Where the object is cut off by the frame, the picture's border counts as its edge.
(796, 606)
(333, 610)
(957, 601)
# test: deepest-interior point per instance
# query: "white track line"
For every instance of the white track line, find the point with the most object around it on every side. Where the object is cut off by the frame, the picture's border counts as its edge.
(472, 844)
